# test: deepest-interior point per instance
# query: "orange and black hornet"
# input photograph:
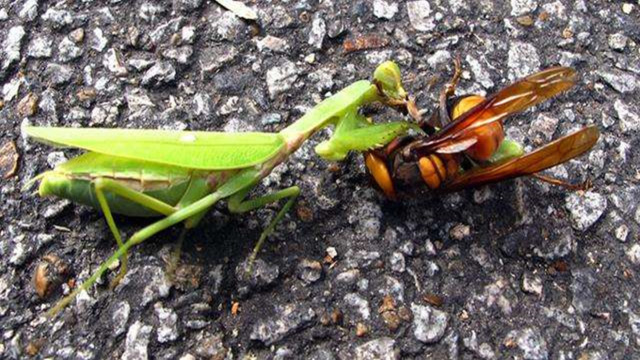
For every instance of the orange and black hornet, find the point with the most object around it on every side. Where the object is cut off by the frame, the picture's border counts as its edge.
(464, 143)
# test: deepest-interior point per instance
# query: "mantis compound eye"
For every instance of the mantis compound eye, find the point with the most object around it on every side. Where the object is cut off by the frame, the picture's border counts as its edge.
(380, 174)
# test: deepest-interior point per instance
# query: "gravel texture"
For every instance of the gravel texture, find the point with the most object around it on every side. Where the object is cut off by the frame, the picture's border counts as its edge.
(514, 270)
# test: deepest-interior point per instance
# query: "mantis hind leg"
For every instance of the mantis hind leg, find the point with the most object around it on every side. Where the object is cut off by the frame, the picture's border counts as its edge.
(237, 205)
(101, 185)
(236, 184)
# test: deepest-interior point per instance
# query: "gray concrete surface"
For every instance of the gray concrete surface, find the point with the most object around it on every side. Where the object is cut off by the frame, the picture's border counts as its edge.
(515, 270)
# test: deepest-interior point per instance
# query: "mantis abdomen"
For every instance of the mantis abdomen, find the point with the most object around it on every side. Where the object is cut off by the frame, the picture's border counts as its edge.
(74, 180)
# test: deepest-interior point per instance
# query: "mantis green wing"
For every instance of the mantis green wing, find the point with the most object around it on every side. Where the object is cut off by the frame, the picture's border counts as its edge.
(188, 149)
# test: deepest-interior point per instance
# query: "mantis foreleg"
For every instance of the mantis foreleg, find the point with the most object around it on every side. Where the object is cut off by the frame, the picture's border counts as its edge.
(102, 185)
(237, 205)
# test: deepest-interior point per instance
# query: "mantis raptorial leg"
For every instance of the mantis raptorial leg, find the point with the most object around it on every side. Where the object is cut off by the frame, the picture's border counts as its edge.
(102, 185)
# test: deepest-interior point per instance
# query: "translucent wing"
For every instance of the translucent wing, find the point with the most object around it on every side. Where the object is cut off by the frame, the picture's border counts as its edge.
(516, 97)
(189, 149)
(550, 155)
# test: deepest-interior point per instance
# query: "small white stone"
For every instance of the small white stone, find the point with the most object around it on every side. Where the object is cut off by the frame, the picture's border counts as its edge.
(419, 15)
(318, 32)
(137, 342)
(627, 8)
(429, 324)
(523, 60)
(384, 10)
(634, 254)
(113, 62)
(12, 45)
(310, 59)
(272, 43)
(622, 232)
(531, 284)
(280, 78)
(188, 34)
(556, 9)
(99, 41)
(39, 48)
(439, 57)
(629, 119)
(397, 262)
(56, 158)
(29, 10)
(585, 209)
(482, 76)
(459, 232)
(618, 41)
(523, 7)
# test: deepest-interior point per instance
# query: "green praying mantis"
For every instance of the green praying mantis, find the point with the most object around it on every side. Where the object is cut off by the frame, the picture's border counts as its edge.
(179, 175)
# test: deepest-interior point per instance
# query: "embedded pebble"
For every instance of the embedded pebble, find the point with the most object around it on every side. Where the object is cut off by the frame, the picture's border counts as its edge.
(137, 342)
(263, 274)
(11, 46)
(272, 43)
(120, 317)
(153, 278)
(633, 254)
(29, 10)
(57, 18)
(582, 288)
(384, 10)
(523, 7)
(378, 349)
(522, 60)
(160, 73)
(227, 26)
(585, 209)
(360, 304)
(40, 47)
(56, 158)
(317, 33)
(620, 81)
(309, 271)
(114, 63)
(618, 41)
(397, 262)
(281, 78)
(202, 104)
(531, 284)
(531, 342)
(214, 58)
(629, 119)
(167, 331)
(429, 324)
(288, 319)
(420, 15)
(481, 75)
(459, 232)
(67, 50)
(182, 54)
(438, 58)
(98, 41)
(187, 5)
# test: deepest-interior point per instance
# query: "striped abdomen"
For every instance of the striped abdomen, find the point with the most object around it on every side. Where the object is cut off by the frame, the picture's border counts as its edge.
(73, 180)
